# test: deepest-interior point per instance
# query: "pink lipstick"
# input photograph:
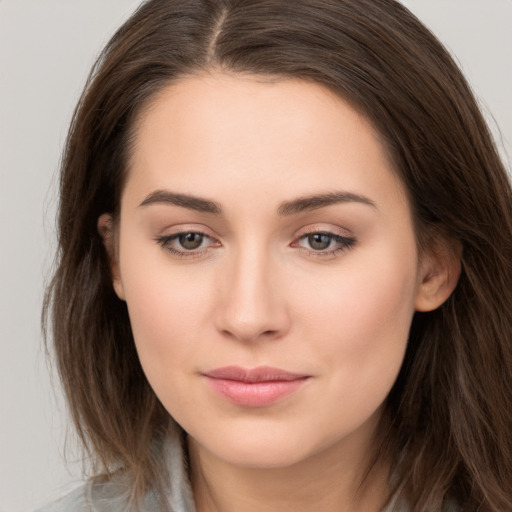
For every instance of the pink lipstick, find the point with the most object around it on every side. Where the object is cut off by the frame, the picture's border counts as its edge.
(257, 387)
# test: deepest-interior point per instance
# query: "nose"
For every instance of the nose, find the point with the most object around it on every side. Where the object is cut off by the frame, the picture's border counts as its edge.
(252, 302)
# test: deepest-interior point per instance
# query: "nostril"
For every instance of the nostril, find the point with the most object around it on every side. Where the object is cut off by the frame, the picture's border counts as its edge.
(250, 335)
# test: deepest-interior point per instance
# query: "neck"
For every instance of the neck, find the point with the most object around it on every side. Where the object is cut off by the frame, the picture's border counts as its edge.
(326, 481)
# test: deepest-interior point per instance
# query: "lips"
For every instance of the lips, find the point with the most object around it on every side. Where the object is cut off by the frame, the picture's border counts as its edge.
(257, 387)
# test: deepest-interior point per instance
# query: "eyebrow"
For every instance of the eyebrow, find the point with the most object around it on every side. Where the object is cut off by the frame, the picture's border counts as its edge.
(184, 200)
(314, 202)
(299, 205)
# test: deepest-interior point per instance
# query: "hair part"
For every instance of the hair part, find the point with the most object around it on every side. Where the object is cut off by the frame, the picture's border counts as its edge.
(448, 418)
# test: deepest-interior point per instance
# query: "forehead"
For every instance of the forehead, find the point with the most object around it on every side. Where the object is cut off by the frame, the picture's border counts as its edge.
(220, 135)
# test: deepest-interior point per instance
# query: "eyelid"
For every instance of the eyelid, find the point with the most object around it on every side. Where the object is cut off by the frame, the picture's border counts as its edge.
(177, 229)
(335, 231)
(345, 241)
(323, 228)
(165, 240)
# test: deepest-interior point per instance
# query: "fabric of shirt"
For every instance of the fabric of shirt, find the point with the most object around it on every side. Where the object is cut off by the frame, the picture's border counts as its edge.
(114, 494)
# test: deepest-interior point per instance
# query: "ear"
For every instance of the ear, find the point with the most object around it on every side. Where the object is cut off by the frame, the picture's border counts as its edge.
(107, 233)
(439, 274)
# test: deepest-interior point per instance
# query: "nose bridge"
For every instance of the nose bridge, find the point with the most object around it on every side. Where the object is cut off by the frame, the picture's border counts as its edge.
(252, 306)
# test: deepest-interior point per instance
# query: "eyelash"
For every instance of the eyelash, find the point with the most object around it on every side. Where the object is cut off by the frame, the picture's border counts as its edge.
(343, 243)
(165, 242)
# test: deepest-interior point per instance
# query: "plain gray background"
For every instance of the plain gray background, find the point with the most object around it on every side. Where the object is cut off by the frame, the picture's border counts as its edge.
(46, 50)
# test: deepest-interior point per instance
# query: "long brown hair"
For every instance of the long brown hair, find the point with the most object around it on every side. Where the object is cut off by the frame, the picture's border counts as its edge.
(448, 418)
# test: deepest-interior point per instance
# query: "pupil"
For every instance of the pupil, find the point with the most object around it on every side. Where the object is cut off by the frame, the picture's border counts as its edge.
(191, 240)
(319, 242)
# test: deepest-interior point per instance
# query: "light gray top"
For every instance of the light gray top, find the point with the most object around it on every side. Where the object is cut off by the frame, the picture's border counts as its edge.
(115, 494)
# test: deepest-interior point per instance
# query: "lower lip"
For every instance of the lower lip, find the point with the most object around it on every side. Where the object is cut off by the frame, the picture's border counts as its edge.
(255, 394)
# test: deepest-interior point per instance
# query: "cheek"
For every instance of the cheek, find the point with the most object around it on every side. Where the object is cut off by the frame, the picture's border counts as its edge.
(167, 307)
(360, 317)
(357, 326)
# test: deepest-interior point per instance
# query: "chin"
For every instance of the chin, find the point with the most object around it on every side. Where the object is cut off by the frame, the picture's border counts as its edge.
(268, 457)
(263, 447)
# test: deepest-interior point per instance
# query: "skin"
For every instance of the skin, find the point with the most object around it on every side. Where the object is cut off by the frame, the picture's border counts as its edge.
(257, 292)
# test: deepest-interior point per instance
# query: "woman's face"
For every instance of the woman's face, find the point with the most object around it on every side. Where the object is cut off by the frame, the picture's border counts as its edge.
(267, 256)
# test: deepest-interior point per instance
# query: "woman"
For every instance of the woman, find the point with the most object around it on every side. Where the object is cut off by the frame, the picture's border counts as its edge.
(284, 272)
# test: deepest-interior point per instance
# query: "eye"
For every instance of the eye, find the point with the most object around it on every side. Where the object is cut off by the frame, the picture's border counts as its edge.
(187, 243)
(324, 243)
(190, 241)
(319, 241)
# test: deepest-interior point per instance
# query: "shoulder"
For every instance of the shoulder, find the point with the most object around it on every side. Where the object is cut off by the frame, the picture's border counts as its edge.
(100, 494)
(75, 501)
(114, 492)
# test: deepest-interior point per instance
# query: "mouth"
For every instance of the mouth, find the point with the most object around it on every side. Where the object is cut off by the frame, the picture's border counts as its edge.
(257, 387)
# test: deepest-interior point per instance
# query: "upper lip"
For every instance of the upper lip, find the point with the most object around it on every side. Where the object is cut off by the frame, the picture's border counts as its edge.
(259, 374)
